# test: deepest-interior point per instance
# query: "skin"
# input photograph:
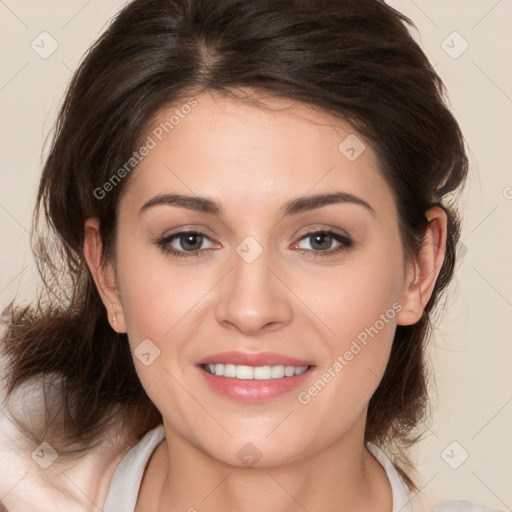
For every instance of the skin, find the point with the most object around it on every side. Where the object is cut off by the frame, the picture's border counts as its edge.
(252, 160)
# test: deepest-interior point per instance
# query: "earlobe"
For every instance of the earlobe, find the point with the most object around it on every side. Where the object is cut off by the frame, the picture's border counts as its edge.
(422, 274)
(103, 275)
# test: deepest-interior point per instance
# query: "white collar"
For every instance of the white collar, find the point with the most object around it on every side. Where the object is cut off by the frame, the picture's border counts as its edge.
(125, 484)
(401, 501)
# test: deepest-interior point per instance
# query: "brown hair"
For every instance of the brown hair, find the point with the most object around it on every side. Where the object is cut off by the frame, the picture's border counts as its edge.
(354, 59)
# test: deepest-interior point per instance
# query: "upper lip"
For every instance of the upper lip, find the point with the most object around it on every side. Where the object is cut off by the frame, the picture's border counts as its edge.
(253, 359)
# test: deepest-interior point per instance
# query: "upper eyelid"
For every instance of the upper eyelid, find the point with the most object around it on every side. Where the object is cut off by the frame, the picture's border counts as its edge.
(328, 229)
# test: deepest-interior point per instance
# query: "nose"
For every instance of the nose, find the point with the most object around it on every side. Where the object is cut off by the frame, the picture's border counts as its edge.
(253, 299)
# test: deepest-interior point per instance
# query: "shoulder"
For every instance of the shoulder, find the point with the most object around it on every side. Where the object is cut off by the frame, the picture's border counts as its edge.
(31, 478)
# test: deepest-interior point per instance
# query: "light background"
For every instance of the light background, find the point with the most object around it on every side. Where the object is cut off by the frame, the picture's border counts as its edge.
(472, 347)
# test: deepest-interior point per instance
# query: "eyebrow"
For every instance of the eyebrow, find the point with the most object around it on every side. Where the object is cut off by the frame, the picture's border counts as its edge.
(293, 207)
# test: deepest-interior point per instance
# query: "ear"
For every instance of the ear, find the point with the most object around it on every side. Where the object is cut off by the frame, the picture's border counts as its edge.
(103, 275)
(422, 274)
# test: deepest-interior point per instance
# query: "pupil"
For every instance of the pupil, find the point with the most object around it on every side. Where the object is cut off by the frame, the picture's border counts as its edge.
(317, 240)
(188, 241)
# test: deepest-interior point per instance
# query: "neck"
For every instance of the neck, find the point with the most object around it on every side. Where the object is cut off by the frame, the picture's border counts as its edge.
(342, 476)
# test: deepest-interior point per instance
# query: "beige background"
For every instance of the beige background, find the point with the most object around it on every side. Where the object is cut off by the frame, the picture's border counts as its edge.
(472, 347)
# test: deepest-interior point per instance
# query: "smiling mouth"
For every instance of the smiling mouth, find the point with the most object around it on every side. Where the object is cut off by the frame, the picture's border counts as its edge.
(244, 372)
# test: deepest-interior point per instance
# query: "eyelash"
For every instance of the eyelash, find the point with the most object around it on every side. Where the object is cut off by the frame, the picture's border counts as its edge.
(344, 241)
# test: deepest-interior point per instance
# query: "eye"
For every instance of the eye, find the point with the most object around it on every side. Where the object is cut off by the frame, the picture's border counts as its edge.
(321, 242)
(184, 244)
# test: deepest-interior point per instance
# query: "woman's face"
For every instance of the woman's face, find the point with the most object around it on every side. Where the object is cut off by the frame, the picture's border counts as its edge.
(254, 286)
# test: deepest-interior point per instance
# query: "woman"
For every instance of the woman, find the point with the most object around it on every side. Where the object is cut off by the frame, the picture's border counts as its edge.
(250, 201)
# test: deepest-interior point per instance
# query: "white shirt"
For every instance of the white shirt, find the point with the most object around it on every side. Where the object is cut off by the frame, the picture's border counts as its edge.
(32, 495)
(126, 482)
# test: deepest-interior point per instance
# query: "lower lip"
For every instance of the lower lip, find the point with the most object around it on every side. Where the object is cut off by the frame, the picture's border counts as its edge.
(254, 390)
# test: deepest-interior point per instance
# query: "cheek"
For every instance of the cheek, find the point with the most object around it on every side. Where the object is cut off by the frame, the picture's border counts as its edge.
(358, 305)
(156, 295)
(163, 304)
(159, 305)
(354, 297)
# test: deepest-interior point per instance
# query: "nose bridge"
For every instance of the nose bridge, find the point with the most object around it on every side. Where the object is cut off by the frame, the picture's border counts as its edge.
(253, 298)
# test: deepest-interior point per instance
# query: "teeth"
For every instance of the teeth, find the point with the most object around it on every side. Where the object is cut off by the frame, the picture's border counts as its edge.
(229, 370)
(254, 372)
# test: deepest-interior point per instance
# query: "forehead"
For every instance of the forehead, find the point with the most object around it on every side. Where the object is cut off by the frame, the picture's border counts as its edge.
(244, 153)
